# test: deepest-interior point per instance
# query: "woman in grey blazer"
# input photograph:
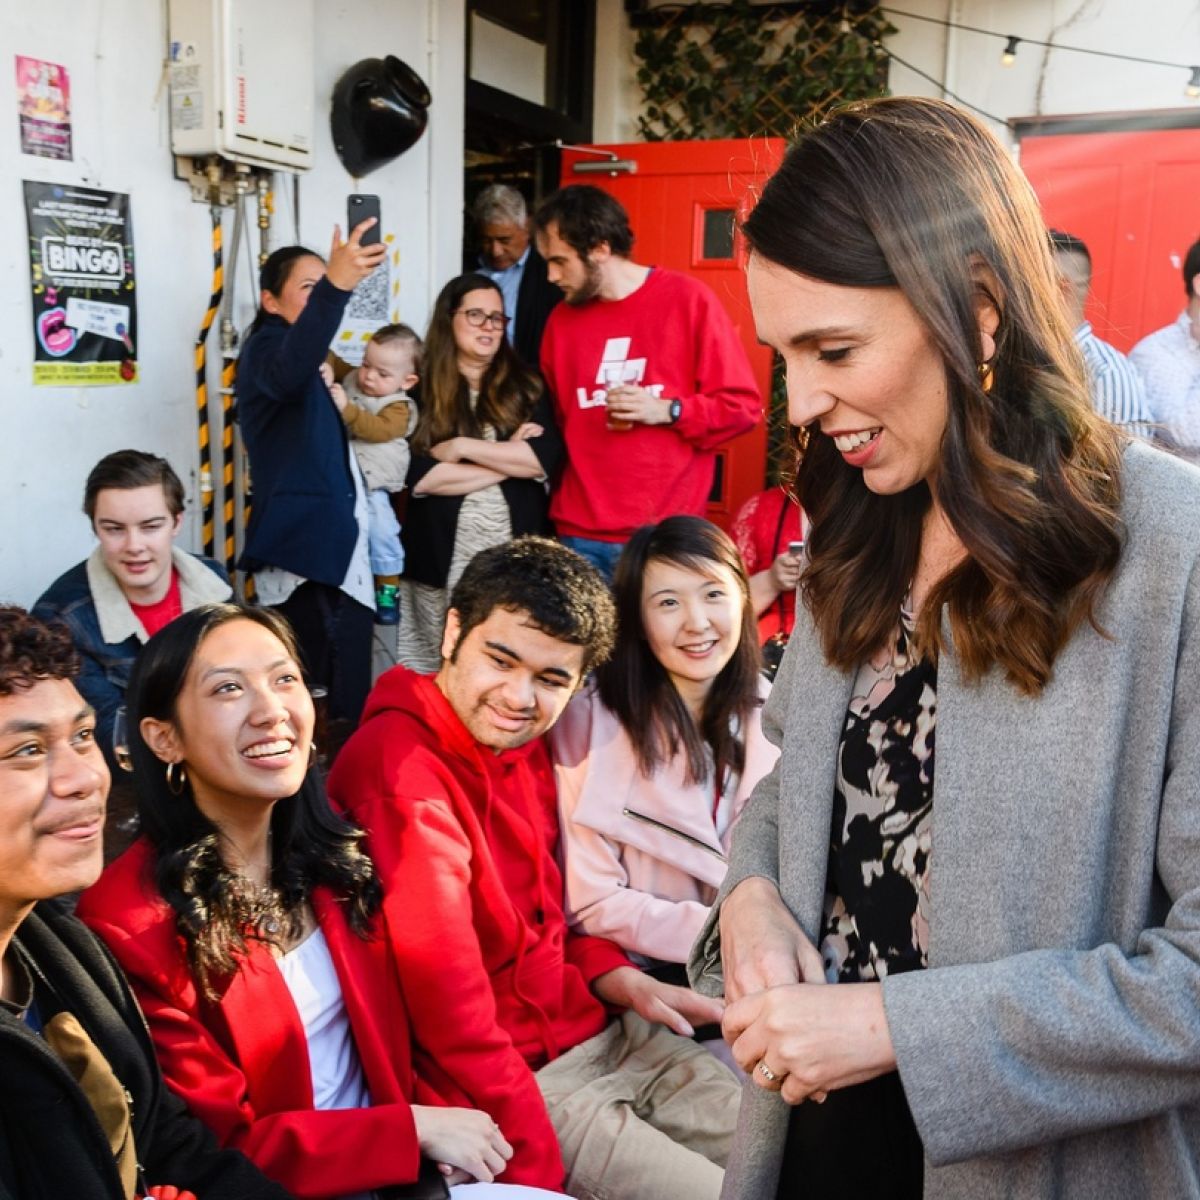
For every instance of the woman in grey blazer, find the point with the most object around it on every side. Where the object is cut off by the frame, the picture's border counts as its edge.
(1012, 923)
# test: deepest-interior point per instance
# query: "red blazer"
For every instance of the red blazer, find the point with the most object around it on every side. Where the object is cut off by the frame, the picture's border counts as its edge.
(241, 1063)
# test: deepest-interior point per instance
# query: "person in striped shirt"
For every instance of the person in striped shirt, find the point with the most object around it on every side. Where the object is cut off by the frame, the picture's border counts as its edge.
(1116, 388)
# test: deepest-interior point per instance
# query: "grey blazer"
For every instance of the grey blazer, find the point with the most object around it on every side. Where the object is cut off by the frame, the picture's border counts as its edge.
(1053, 1047)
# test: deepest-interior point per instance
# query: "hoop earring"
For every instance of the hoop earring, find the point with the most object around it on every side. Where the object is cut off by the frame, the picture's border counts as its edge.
(176, 783)
(987, 376)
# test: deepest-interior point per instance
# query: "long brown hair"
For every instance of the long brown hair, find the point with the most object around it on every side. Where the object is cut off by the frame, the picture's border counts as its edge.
(635, 686)
(915, 194)
(507, 392)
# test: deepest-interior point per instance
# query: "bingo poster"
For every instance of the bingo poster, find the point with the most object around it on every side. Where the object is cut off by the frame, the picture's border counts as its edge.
(83, 284)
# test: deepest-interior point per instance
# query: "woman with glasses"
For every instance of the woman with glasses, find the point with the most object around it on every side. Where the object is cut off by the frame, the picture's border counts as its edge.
(482, 453)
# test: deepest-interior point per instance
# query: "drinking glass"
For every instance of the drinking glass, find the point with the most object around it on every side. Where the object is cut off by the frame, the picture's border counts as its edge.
(120, 740)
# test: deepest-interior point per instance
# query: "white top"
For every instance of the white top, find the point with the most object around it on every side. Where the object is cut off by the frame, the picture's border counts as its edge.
(337, 1077)
(1169, 363)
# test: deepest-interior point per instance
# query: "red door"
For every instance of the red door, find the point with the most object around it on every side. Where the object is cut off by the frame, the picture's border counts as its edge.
(682, 200)
(1131, 196)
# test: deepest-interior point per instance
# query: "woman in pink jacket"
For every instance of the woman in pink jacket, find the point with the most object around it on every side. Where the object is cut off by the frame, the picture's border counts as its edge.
(657, 756)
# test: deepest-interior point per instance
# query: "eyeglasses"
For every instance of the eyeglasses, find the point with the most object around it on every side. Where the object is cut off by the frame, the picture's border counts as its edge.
(479, 318)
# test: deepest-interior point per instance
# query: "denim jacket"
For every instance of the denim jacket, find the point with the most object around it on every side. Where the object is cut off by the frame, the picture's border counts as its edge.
(89, 601)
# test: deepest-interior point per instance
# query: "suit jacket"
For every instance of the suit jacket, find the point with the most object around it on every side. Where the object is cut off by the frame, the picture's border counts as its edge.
(536, 298)
(51, 1144)
(1052, 1048)
(241, 1062)
(302, 517)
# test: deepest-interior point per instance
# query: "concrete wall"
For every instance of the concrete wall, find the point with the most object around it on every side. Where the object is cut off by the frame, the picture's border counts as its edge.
(1041, 81)
(114, 51)
(616, 97)
(1044, 81)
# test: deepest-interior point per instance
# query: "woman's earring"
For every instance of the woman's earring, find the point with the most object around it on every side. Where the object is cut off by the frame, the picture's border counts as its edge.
(312, 754)
(176, 782)
(987, 375)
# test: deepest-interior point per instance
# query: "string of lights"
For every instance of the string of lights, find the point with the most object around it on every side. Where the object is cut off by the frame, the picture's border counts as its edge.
(1008, 55)
(939, 84)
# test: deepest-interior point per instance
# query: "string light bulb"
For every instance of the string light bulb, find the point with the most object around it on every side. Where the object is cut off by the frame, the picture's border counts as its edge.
(1010, 52)
(1192, 91)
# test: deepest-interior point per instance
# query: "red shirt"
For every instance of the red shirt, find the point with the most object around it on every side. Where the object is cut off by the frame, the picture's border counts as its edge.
(762, 529)
(674, 339)
(465, 841)
(155, 616)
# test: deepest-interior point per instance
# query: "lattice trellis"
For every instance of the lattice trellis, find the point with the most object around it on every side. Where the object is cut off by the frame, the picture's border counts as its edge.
(744, 70)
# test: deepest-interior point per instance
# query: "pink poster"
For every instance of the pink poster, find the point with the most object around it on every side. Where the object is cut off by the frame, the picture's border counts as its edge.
(44, 108)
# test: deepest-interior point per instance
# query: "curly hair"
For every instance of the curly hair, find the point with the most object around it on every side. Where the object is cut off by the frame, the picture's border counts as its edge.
(31, 650)
(310, 843)
(564, 595)
(914, 194)
(635, 686)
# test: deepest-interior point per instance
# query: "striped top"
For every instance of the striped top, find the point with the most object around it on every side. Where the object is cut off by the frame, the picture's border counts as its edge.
(1118, 393)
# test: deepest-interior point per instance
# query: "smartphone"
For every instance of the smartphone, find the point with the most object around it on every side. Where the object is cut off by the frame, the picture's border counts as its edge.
(795, 549)
(358, 209)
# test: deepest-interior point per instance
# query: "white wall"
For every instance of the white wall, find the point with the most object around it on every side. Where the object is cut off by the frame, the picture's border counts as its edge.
(616, 97)
(114, 50)
(1046, 81)
(1041, 81)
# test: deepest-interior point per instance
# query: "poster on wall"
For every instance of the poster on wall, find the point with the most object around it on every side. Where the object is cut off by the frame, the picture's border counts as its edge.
(371, 305)
(44, 108)
(83, 284)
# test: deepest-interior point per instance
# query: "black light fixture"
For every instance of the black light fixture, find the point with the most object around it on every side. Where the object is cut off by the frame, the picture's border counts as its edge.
(379, 110)
(1010, 52)
(1192, 91)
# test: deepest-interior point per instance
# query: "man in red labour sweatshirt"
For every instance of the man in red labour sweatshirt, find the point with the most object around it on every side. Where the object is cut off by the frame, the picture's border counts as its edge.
(555, 1034)
(647, 373)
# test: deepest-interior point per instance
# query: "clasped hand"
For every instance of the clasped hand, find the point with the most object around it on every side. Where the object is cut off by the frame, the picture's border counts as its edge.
(810, 1038)
(460, 449)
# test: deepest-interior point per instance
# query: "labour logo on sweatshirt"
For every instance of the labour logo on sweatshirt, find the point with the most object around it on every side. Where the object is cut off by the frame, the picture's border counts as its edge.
(616, 368)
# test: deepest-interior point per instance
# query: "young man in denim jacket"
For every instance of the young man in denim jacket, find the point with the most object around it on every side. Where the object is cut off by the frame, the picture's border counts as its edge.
(133, 583)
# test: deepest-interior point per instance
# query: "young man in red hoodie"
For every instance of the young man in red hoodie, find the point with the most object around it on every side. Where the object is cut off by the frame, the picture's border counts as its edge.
(557, 1035)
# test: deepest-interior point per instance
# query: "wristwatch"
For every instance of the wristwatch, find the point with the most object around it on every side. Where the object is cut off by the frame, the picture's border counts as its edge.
(675, 411)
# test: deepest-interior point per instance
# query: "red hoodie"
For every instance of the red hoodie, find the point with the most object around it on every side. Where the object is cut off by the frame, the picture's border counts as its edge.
(465, 841)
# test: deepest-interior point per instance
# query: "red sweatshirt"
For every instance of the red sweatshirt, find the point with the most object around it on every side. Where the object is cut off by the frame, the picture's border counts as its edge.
(675, 340)
(465, 842)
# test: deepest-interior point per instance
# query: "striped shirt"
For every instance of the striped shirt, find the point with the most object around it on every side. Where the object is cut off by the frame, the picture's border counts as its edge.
(1168, 361)
(1118, 393)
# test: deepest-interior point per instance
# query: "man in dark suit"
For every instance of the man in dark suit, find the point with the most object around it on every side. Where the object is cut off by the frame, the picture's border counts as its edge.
(507, 256)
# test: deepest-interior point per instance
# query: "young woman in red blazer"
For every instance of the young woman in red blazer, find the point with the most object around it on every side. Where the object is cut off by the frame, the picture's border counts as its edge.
(248, 920)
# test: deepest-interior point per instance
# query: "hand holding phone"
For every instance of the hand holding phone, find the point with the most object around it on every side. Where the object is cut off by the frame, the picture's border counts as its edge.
(358, 209)
(795, 549)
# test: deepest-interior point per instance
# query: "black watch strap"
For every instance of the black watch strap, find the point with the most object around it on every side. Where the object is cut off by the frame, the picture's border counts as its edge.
(675, 411)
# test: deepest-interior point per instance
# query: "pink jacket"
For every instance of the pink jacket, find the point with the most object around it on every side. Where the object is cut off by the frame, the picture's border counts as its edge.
(643, 860)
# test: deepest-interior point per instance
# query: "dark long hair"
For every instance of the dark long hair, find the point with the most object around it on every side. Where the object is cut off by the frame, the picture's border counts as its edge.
(917, 195)
(507, 392)
(310, 843)
(637, 689)
(274, 274)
